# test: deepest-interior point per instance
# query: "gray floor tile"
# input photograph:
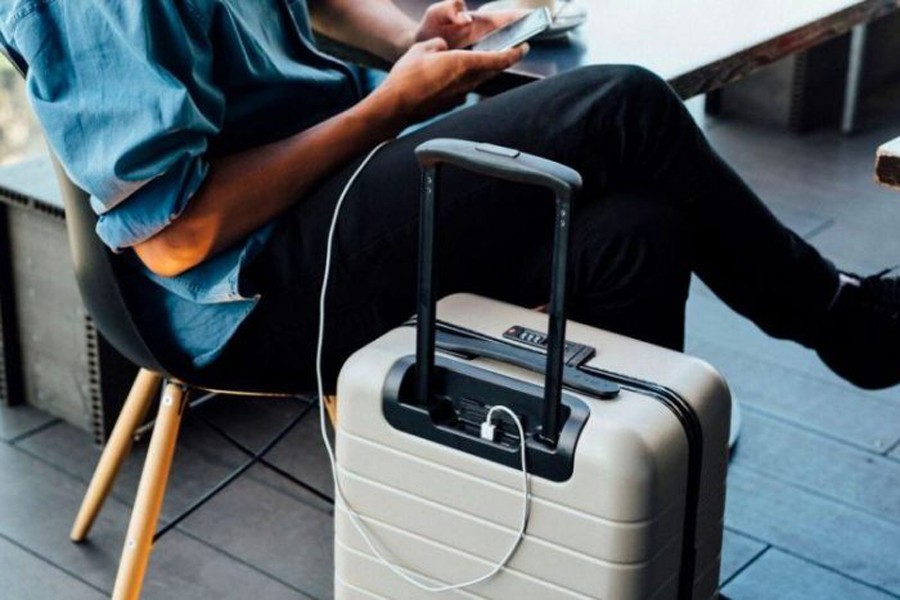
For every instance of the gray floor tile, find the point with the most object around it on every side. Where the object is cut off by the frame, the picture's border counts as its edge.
(857, 478)
(251, 420)
(266, 528)
(822, 171)
(845, 539)
(38, 502)
(71, 450)
(850, 244)
(737, 551)
(803, 221)
(709, 320)
(825, 173)
(27, 577)
(19, 420)
(188, 569)
(260, 519)
(301, 453)
(778, 575)
(808, 402)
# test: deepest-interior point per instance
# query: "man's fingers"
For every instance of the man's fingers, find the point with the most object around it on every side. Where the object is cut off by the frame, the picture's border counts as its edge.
(450, 12)
(460, 14)
(463, 18)
(497, 61)
(433, 45)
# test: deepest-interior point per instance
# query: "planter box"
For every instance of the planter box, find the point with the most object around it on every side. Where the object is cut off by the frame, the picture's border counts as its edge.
(54, 357)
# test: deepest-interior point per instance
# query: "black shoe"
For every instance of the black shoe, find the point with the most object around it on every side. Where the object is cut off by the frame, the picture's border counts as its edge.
(861, 336)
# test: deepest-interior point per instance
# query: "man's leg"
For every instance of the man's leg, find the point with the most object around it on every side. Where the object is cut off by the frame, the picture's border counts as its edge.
(620, 127)
(630, 273)
(623, 126)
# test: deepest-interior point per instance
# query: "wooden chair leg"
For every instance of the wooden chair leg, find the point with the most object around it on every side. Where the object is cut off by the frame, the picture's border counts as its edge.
(144, 389)
(148, 502)
(331, 409)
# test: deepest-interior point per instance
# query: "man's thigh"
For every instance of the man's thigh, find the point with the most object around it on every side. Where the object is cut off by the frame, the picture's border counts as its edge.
(548, 118)
(493, 237)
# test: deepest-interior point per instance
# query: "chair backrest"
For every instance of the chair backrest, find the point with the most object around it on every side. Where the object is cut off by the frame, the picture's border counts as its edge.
(96, 277)
(95, 271)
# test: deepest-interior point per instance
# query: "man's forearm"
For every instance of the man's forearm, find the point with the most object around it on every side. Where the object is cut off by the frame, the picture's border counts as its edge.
(377, 26)
(246, 190)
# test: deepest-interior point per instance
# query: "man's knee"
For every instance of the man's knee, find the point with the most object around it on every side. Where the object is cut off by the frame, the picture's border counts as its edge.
(646, 240)
(633, 254)
(621, 80)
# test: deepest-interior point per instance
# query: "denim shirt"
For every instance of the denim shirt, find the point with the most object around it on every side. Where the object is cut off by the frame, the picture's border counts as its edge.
(136, 97)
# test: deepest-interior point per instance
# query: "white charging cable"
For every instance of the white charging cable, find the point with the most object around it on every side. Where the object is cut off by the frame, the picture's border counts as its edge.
(487, 432)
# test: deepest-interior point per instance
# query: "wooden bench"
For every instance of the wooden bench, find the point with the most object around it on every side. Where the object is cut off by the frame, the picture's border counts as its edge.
(887, 164)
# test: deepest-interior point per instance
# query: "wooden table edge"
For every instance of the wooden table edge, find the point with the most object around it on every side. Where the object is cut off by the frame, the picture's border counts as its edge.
(704, 79)
(737, 66)
(887, 164)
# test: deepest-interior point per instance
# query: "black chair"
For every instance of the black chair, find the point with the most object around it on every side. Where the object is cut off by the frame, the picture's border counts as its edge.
(96, 274)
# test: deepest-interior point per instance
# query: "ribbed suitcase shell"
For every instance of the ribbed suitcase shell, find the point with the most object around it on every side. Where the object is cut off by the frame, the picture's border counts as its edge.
(613, 530)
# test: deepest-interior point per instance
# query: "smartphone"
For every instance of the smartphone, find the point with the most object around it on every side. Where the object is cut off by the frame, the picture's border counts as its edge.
(517, 32)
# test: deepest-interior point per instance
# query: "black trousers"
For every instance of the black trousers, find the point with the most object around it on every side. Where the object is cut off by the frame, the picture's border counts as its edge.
(658, 203)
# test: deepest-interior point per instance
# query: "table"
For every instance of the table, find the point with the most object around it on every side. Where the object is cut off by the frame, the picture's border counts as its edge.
(887, 164)
(697, 45)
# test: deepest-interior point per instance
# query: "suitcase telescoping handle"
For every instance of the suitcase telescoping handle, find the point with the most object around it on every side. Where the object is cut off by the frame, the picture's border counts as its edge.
(510, 165)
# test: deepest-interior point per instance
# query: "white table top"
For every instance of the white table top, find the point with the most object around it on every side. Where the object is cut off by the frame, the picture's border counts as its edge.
(676, 37)
(697, 45)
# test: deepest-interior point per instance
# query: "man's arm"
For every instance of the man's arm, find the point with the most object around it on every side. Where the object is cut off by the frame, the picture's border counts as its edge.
(376, 26)
(244, 191)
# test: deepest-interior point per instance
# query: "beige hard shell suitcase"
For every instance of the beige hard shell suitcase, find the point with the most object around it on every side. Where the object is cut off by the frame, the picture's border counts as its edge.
(627, 443)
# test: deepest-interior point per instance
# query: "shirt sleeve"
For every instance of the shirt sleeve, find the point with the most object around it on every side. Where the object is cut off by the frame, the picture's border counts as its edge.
(126, 95)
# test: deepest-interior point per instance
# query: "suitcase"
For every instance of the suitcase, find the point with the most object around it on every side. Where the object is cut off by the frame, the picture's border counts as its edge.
(626, 441)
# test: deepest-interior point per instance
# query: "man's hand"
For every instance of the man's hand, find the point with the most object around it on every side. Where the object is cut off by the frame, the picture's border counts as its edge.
(430, 78)
(451, 21)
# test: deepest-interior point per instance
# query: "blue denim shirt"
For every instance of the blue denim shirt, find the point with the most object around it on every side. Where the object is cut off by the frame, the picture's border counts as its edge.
(136, 96)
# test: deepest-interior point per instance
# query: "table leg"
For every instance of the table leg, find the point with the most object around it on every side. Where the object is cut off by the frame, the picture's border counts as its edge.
(854, 75)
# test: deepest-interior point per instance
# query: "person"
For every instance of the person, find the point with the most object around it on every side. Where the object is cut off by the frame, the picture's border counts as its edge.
(215, 138)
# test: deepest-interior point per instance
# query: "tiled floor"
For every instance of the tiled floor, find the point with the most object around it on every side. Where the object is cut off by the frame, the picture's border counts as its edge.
(814, 489)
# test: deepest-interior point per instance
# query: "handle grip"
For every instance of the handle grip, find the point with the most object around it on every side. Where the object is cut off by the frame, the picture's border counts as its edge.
(510, 165)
